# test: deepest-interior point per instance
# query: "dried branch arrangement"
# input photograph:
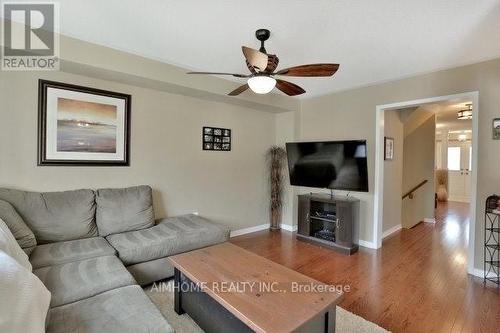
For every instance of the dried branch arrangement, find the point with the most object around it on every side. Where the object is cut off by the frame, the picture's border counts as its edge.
(276, 159)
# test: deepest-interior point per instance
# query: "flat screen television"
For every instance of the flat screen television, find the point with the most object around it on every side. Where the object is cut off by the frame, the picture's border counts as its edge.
(338, 165)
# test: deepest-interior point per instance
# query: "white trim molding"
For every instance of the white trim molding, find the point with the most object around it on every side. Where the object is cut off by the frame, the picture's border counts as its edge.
(477, 272)
(369, 245)
(392, 230)
(378, 204)
(249, 230)
(260, 227)
(430, 220)
(459, 199)
(287, 227)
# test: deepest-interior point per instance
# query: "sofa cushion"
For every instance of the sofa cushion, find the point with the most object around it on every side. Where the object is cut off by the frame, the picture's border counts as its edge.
(124, 209)
(77, 280)
(24, 300)
(55, 216)
(9, 245)
(121, 310)
(64, 252)
(23, 235)
(171, 236)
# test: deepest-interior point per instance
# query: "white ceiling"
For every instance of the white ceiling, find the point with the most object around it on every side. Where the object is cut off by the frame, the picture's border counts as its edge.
(446, 117)
(373, 41)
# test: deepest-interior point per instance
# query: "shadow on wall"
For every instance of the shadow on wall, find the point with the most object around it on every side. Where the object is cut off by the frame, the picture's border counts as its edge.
(158, 205)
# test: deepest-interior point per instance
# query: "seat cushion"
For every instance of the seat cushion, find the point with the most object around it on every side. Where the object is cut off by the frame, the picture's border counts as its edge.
(55, 216)
(77, 280)
(64, 252)
(121, 310)
(171, 236)
(23, 235)
(124, 209)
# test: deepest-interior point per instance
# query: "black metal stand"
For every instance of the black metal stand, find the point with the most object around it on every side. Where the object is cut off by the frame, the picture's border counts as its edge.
(492, 241)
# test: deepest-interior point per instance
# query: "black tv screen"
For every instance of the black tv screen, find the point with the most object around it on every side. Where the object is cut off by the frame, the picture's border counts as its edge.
(339, 165)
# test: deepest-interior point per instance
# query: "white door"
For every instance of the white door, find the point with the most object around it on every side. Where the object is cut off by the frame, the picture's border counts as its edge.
(459, 170)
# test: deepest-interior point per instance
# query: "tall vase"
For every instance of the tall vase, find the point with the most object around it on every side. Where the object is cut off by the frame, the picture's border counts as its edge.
(442, 193)
(275, 219)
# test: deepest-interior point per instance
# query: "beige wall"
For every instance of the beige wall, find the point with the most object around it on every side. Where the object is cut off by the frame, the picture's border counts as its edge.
(166, 153)
(393, 171)
(351, 114)
(285, 133)
(418, 165)
(413, 119)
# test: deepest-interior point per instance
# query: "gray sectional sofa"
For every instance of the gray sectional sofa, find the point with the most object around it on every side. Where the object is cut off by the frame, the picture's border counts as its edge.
(94, 249)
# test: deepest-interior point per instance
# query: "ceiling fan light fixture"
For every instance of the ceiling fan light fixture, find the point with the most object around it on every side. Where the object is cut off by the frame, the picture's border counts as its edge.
(262, 68)
(261, 84)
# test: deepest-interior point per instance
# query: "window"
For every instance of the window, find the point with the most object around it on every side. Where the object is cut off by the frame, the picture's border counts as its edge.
(454, 158)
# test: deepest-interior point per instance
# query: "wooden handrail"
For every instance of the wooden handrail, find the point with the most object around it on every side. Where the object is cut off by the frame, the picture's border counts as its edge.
(422, 183)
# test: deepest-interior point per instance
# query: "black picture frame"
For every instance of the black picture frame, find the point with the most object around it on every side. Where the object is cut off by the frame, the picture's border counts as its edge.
(388, 148)
(216, 139)
(42, 159)
(495, 124)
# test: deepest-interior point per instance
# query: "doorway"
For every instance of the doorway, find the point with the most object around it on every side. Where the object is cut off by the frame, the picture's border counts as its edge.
(472, 171)
(454, 152)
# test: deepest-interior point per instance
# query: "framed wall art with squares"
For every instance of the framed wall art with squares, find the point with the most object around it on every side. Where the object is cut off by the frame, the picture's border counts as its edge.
(215, 138)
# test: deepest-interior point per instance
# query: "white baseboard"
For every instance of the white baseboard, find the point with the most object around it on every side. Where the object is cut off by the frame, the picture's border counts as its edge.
(477, 272)
(369, 245)
(260, 227)
(430, 220)
(287, 227)
(392, 230)
(249, 230)
(459, 199)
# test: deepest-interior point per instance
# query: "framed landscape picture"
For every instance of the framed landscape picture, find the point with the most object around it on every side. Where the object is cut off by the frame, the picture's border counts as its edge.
(82, 126)
(388, 149)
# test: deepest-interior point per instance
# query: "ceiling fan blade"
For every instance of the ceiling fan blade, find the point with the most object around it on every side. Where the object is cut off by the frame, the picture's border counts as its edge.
(238, 90)
(311, 70)
(255, 58)
(289, 88)
(216, 73)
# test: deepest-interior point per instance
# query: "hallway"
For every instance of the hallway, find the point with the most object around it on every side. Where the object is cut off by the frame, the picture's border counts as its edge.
(417, 282)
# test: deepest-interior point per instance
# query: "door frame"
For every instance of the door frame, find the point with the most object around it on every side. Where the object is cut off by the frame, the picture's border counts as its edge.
(378, 208)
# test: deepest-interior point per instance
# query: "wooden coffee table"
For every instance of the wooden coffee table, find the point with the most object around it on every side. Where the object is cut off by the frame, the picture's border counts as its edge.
(225, 288)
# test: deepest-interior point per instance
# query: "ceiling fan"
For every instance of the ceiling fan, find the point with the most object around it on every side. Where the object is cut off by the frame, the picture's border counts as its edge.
(262, 68)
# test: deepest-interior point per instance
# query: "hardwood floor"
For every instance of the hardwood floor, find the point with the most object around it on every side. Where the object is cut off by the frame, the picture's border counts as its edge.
(417, 281)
